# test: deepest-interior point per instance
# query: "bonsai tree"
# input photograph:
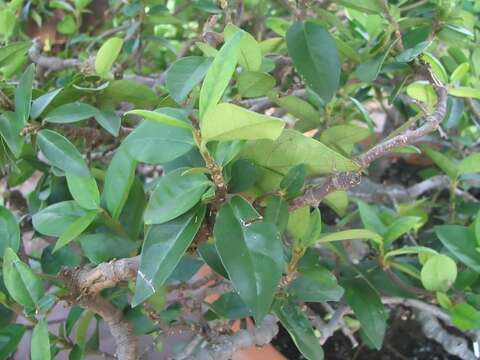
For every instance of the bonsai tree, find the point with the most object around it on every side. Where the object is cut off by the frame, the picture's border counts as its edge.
(220, 169)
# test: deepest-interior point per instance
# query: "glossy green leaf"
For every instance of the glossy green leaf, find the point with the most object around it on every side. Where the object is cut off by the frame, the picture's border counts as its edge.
(251, 253)
(230, 306)
(164, 246)
(52, 263)
(370, 218)
(55, 219)
(105, 246)
(10, 129)
(350, 235)
(399, 227)
(184, 74)
(210, 256)
(314, 55)
(299, 328)
(106, 55)
(174, 195)
(84, 190)
(9, 231)
(463, 91)
(155, 143)
(243, 175)
(278, 155)
(368, 308)
(254, 84)
(369, 70)
(40, 342)
(160, 118)
(442, 161)
(70, 113)
(61, 153)
(250, 55)
(225, 122)
(410, 54)
(293, 181)
(23, 95)
(460, 241)
(315, 284)
(118, 181)
(75, 229)
(438, 273)
(41, 103)
(470, 164)
(22, 284)
(219, 74)
(277, 212)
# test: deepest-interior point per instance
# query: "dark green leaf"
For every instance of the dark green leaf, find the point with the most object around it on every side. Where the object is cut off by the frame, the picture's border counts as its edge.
(299, 328)
(251, 253)
(70, 113)
(61, 153)
(52, 263)
(277, 212)
(9, 231)
(105, 246)
(293, 181)
(230, 306)
(42, 102)
(164, 246)
(175, 194)
(460, 241)
(315, 284)
(368, 308)
(243, 176)
(84, 190)
(109, 120)
(369, 70)
(10, 337)
(209, 254)
(314, 54)
(10, 128)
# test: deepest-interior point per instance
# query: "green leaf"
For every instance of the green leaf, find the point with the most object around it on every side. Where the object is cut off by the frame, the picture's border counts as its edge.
(350, 235)
(314, 55)
(219, 74)
(160, 118)
(436, 66)
(13, 50)
(250, 55)
(9, 231)
(465, 317)
(407, 250)
(410, 54)
(53, 263)
(298, 221)
(370, 218)
(254, 84)
(109, 120)
(243, 176)
(10, 338)
(155, 143)
(470, 164)
(230, 306)
(309, 117)
(10, 129)
(422, 91)
(84, 190)
(251, 253)
(118, 181)
(299, 328)
(70, 113)
(442, 161)
(292, 183)
(399, 227)
(210, 256)
(140, 95)
(55, 219)
(315, 284)
(459, 73)
(174, 195)
(460, 241)
(277, 212)
(41, 103)
(23, 95)
(368, 308)
(338, 202)
(438, 273)
(225, 122)
(164, 246)
(40, 342)
(106, 55)
(184, 74)
(105, 246)
(314, 228)
(22, 284)
(369, 70)
(61, 153)
(464, 91)
(278, 155)
(344, 137)
(75, 229)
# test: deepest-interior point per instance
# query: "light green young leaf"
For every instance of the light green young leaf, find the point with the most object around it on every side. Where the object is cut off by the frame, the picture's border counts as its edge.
(254, 84)
(436, 66)
(106, 55)
(350, 235)
(219, 74)
(40, 342)
(250, 56)
(459, 73)
(369, 70)
(409, 250)
(438, 273)
(442, 161)
(464, 91)
(225, 122)
(471, 164)
(399, 227)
